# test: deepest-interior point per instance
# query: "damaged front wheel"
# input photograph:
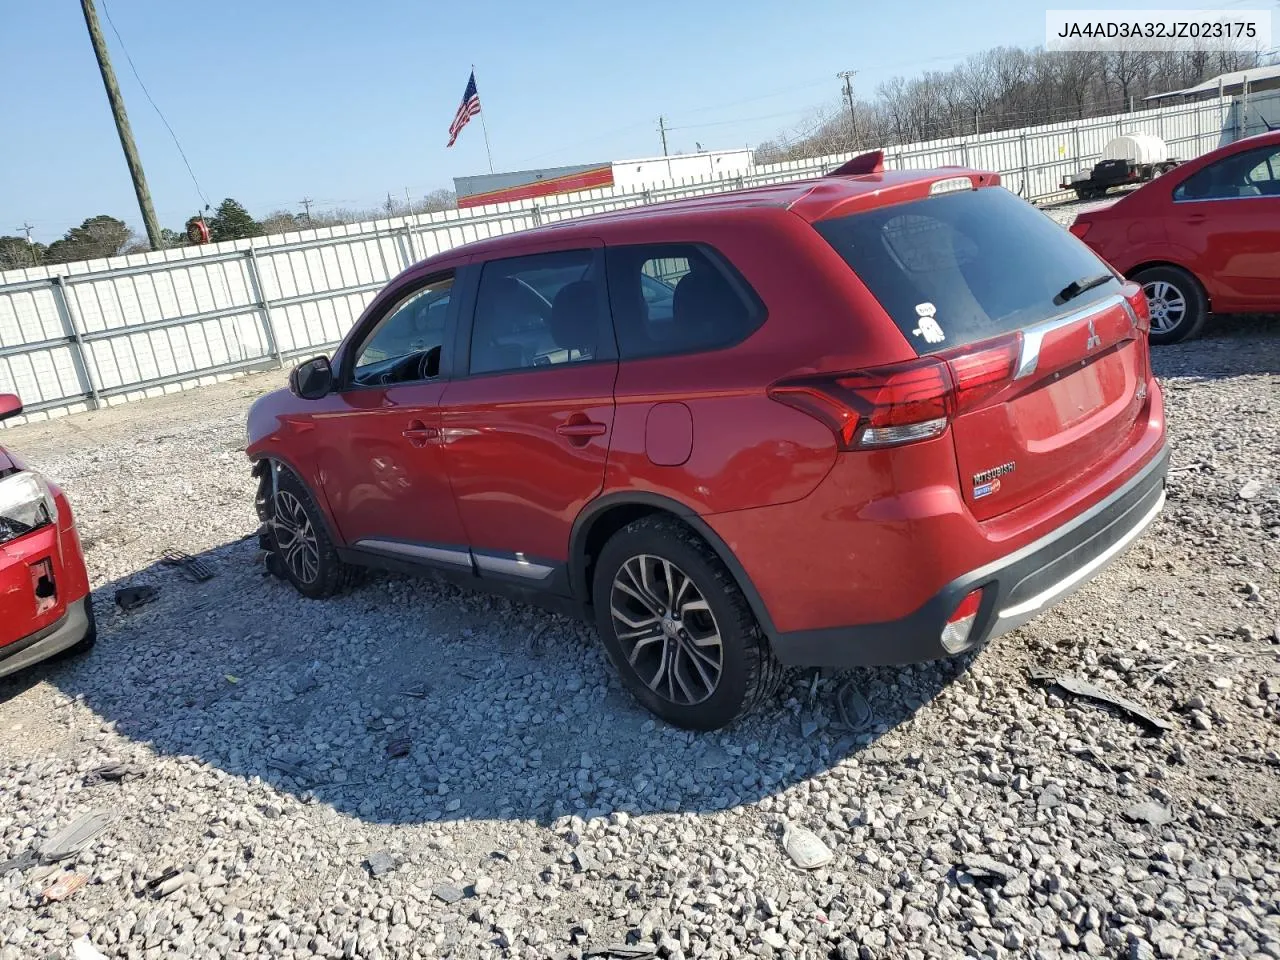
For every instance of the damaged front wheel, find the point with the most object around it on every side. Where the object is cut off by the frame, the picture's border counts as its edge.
(300, 549)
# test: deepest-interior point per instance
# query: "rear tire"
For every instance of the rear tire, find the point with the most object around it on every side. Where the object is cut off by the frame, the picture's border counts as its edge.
(699, 662)
(1178, 303)
(302, 549)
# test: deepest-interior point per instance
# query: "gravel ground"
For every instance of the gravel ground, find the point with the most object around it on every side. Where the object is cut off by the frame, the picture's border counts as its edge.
(540, 813)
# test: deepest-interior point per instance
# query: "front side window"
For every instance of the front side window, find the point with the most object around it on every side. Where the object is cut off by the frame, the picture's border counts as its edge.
(1253, 173)
(537, 311)
(677, 298)
(405, 346)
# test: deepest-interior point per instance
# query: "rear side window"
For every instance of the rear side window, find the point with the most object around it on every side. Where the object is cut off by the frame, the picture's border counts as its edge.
(677, 298)
(538, 311)
(1252, 173)
(963, 267)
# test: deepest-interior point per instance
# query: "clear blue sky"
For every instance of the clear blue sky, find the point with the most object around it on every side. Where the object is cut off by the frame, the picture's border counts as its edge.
(274, 100)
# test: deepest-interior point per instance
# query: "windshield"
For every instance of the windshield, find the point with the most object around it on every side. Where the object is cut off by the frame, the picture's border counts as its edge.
(964, 267)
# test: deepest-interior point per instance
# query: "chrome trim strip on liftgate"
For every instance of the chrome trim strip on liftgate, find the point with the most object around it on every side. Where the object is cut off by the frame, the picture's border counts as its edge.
(1033, 337)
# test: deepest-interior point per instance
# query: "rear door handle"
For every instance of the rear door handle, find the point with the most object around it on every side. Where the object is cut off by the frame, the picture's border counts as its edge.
(419, 434)
(1195, 218)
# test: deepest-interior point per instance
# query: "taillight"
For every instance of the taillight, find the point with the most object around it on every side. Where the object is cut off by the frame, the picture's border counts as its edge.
(980, 374)
(904, 402)
(955, 635)
(881, 407)
(1080, 228)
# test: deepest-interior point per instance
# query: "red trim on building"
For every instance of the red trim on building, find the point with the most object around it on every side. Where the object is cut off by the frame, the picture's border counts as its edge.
(582, 180)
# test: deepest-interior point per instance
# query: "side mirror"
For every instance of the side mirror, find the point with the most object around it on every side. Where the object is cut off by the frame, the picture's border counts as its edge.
(312, 379)
(10, 405)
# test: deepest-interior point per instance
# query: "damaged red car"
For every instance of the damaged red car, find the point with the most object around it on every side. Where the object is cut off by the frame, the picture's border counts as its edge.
(45, 607)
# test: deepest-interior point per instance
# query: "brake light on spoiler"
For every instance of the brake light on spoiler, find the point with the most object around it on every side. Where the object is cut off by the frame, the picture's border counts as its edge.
(902, 402)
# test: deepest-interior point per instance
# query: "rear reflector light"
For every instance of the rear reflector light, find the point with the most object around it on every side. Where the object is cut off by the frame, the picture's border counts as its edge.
(1080, 228)
(905, 402)
(955, 635)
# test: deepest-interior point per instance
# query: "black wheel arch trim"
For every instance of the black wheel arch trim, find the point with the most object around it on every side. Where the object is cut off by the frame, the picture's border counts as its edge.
(597, 508)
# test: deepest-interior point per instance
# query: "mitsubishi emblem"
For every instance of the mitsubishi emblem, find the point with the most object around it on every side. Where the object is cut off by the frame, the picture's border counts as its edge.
(1094, 340)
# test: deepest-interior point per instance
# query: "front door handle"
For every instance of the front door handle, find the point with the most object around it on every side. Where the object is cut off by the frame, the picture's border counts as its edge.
(419, 434)
(579, 430)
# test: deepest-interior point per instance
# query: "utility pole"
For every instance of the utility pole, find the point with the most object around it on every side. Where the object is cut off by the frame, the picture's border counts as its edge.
(122, 124)
(408, 204)
(847, 76)
(662, 130)
(306, 206)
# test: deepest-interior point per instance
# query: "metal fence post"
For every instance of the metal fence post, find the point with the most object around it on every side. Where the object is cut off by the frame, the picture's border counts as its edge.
(1075, 130)
(964, 153)
(410, 251)
(1026, 166)
(537, 215)
(264, 307)
(69, 322)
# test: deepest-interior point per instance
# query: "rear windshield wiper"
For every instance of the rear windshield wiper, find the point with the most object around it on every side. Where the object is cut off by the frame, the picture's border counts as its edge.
(1077, 287)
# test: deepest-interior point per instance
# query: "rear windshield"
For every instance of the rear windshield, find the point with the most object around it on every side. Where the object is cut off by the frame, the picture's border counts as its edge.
(963, 267)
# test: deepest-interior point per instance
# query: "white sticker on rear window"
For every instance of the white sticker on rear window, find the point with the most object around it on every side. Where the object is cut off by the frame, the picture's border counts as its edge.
(928, 328)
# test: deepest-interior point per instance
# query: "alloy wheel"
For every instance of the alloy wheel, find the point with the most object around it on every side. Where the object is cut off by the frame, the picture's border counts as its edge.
(295, 538)
(666, 629)
(1167, 303)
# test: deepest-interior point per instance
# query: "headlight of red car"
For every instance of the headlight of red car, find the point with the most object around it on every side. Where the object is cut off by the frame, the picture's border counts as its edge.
(26, 504)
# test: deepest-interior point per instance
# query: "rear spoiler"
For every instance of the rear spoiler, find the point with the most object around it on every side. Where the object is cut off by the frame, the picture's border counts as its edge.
(865, 163)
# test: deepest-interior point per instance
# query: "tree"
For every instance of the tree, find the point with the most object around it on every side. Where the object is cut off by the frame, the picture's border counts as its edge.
(231, 221)
(173, 238)
(16, 253)
(282, 221)
(99, 236)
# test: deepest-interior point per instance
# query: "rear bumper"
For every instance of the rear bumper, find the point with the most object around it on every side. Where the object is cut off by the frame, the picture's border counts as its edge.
(74, 626)
(1017, 586)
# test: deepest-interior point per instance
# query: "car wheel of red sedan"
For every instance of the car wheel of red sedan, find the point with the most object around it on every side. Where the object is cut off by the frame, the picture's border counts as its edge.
(304, 552)
(1177, 301)
(678, 629)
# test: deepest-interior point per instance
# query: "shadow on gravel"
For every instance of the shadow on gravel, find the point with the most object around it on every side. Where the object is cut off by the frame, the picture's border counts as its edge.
(1217, 353)
(502, 711)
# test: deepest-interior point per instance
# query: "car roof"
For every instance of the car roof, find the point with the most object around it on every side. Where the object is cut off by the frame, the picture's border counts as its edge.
(812, 200)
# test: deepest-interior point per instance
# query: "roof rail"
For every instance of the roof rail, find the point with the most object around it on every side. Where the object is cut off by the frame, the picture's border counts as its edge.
(872, 162)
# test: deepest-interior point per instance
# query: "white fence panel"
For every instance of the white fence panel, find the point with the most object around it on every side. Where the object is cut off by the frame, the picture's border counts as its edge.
(83, 334)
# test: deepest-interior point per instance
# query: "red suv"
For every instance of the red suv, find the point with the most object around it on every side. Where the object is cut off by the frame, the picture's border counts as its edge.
(874, 418)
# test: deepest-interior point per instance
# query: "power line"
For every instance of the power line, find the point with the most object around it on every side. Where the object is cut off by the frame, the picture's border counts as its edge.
(147, 94)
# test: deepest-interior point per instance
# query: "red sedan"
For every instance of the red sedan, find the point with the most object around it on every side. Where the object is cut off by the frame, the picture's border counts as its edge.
(1203, 238)
(45, 607)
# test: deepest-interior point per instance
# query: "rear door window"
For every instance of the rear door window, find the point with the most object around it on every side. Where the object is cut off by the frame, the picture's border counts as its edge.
(964, 267)
(1251, 173)
(677, 298)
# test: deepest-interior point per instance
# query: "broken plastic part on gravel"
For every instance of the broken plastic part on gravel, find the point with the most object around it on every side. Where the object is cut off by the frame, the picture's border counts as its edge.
(129, 599)
(804, 847)
(1090, 691)
(64, 886)
(75, 836)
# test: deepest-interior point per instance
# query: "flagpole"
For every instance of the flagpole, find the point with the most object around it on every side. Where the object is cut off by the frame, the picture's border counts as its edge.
(483, 126)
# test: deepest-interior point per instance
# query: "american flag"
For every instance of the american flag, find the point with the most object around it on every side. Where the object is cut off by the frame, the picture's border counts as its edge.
(469, 108)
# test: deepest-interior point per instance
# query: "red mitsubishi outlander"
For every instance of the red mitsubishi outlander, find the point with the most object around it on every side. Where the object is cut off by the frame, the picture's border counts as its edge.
(45, 608)
(874, 418)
